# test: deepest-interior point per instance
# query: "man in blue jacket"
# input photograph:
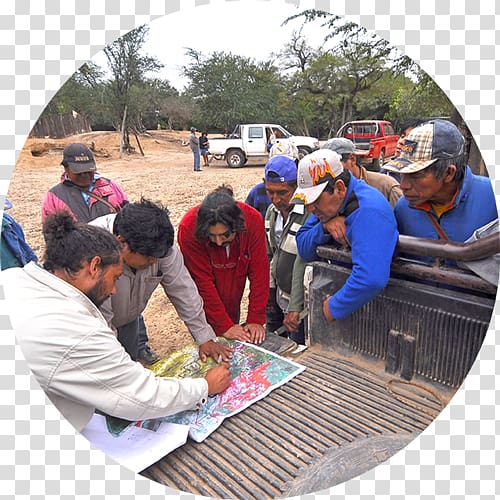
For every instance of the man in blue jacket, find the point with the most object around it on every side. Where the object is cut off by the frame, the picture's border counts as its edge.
(442, 197)
(347, 211)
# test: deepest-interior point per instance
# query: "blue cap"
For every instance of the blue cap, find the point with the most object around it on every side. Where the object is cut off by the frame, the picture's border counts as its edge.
(284, 168)
(7, 204)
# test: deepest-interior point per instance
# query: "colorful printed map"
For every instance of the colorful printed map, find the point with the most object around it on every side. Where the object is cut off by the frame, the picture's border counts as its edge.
(255, 372)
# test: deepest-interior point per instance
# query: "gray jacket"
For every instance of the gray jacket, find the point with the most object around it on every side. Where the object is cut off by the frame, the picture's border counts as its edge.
(194, 142)
(134, 289)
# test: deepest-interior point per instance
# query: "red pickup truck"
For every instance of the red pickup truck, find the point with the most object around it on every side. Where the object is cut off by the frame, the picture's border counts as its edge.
(375, 140)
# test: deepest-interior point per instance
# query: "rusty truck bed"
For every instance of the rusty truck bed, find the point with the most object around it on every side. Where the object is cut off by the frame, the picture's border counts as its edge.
(372, 383)
(337, 419)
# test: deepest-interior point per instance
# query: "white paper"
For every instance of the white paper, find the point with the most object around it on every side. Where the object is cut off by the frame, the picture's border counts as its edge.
(135, 448)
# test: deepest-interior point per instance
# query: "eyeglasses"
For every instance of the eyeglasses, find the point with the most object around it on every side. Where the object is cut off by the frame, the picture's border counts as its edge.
(229, 265)
(224, 265)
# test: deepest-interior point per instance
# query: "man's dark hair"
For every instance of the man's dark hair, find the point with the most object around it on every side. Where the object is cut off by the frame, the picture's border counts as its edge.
(345, 177)
(274, 175)
(219, 207)
(411, 123)
(69, 244)
(225, 188)
(146, 228)
(345, 157)
(440, 168)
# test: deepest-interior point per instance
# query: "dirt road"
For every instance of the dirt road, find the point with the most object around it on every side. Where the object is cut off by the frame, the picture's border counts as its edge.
(164, 174)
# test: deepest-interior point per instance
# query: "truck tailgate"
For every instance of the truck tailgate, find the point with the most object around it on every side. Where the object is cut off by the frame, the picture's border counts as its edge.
(339, 418)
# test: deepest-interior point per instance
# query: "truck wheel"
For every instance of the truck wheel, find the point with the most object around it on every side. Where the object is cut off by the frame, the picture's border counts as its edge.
(235, 158)
(303, 151)
(378, 163)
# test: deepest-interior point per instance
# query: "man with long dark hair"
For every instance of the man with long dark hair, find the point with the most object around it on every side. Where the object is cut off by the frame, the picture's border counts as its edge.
(223, 243)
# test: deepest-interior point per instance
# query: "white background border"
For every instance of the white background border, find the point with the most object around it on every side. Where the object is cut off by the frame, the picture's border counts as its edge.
(43, 42)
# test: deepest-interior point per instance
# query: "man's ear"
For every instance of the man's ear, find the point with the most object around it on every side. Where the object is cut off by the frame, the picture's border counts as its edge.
(122, 241)
(450, 173)
(340, 186)
(95, 266)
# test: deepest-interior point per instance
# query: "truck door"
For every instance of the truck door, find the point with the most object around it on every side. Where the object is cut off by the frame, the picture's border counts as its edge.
(255, 141)
(391, 140)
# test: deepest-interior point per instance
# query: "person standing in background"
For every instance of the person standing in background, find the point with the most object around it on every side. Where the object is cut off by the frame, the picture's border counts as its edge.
(194, 144)
(204, 145)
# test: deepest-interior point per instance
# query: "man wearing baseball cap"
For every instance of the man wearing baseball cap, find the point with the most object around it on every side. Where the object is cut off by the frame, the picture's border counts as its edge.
(86, 195)
(386, 184)
(345, 210)
(82, 192)
(442, 197)
(282, 221)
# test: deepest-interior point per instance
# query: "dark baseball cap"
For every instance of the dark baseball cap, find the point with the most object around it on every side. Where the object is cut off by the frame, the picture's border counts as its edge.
(79, 158)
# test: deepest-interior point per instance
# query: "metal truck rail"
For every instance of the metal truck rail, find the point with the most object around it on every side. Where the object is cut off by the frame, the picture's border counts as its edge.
(372, 383)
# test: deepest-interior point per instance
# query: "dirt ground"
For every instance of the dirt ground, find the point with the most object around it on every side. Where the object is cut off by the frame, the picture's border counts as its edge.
(165, 174)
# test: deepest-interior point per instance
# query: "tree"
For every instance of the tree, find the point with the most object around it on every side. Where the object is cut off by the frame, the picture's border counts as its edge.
(366, 57)
(230, 89)
(422, 98)
(378, 80)
(79, 93)
(128, 68)
(314, 95)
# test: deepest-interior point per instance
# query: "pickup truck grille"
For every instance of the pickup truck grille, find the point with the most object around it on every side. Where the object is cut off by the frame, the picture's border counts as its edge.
(331, 423)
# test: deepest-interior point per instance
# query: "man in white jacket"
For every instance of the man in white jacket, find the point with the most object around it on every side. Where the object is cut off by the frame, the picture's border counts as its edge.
(72, 352)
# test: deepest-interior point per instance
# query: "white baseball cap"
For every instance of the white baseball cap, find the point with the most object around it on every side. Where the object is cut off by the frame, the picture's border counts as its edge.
(314, 172)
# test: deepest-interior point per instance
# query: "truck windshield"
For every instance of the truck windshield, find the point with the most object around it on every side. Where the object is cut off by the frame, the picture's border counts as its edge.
(236, 132)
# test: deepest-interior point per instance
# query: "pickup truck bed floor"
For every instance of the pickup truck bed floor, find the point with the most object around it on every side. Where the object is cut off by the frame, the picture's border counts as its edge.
(336, 420)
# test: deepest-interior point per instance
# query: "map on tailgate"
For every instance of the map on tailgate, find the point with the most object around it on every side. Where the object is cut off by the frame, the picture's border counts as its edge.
(255, 372)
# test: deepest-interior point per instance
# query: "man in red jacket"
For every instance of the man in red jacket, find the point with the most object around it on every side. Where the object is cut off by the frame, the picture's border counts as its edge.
(223, 243)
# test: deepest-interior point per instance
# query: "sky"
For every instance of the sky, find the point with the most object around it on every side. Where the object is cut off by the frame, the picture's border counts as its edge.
(250, 28)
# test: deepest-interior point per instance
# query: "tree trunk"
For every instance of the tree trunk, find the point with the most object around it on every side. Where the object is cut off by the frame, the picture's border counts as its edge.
(122, 132)
(138, 143)
(305, 127)
(344, 110)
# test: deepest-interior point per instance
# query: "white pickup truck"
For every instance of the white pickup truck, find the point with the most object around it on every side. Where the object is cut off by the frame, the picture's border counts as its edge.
(252, 140)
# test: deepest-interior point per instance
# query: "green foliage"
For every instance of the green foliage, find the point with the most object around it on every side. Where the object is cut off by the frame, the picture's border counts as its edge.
(423, 99)
(78, 93)
(354, 75)
(230, 89)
